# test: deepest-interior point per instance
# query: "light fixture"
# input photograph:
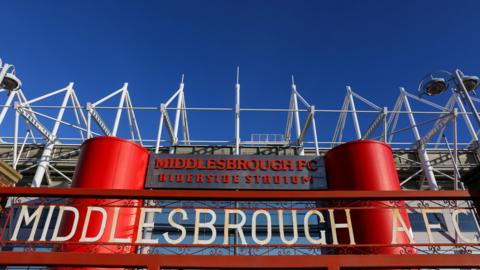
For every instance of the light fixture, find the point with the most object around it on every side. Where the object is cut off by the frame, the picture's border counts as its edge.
(10, 82)
(435, 86)
(470, 82)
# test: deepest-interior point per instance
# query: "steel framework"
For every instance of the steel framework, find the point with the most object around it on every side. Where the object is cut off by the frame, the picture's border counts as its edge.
(19, 139)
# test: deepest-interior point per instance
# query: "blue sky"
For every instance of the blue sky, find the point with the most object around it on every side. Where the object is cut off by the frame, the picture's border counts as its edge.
(374, 46)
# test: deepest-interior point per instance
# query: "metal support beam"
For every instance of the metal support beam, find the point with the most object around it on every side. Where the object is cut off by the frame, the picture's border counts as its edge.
(92, 113)
(466, 118)
(296, 113)
(237, 113)
(119, 109)
(375, 123)
(185, 129)
(338, 134)
(462, 90)
(288, 127)
(314, 127)
(356, 124)
(159, 132)
(30, 118)
(47, 151)
(15, 139)
(7, 104)
(170, 130)
(308, 121)
(132, 120)
(440, 125)
(448, 109)
(178, 112)
(455, 150)
(422, 152)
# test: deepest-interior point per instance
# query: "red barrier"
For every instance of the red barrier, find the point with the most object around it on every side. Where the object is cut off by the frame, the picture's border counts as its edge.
(108, 163)
(367, 165)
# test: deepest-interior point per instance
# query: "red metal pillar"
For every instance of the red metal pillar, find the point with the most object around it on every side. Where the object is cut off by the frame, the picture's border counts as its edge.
(367, 165)
(108, 163)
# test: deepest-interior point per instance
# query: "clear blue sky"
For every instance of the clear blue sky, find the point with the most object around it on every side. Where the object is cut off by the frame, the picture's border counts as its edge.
(374, 46)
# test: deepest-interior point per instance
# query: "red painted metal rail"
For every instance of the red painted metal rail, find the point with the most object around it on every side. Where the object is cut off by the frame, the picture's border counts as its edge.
(236, 262)
(156, 261)
(242, 195)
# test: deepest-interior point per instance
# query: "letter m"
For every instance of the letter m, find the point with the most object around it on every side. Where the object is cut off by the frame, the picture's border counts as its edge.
(24, 215)
(160, 163)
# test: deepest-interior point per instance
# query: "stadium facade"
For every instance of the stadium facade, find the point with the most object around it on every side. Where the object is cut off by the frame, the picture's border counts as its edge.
(78, 191)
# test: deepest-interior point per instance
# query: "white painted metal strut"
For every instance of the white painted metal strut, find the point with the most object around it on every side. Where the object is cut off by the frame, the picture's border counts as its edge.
(180, 115)
(293, 114)
(422, 152)
(92, 113)
(6, 105)
(296, 115)
(47, 152)
(120, 109)
(375, 123)
(125, 103)
(237, 113)
(349, 106)
(356, 124)
(178, 112)
(466, 118)
(315, 135)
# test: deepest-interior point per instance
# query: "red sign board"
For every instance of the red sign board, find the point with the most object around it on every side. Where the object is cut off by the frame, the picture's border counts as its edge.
(235, 172)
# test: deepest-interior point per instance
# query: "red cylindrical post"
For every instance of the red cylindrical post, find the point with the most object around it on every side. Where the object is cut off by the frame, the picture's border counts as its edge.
(108, 163)
(367, 165)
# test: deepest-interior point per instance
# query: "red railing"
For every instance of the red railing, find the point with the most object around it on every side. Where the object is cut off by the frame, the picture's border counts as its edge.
(156, 261)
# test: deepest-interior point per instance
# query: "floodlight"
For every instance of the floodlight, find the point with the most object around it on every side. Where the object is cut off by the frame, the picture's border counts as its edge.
(470, 82)
(10, 82)
(435, 86)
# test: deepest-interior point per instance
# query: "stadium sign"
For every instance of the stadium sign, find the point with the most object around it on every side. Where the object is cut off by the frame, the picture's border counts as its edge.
(211, 220)
(236, 172)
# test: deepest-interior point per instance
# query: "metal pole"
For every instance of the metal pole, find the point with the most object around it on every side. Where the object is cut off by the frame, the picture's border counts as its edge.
(288, 126)
(464, 94)
(119, 110)
(385, 125)
(160, 128)
(186, 131)
(314, 127)
(455, 147)
(296, 113)
(356, 124)
(47, 152)
(7, 104)
(422, 152)
(15, 141)
(470, 128)
(178, 112)
(237, 114)
(89, 120)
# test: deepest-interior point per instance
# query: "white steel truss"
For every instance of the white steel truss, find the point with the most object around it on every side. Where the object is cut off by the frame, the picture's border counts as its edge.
(350, 107)
(180, 114)
(37, 131)
(125, 103)
(294, 117)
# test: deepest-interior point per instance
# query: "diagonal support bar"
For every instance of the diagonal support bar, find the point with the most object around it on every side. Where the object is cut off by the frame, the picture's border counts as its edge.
(439, 126)
(168, 123)
(98, 119)
(30, 118)
(308, 121)
(375, 123)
